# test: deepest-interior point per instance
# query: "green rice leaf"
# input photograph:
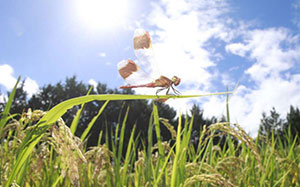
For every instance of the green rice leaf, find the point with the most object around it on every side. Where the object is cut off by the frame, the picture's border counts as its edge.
(4, 116)
(87, 130)
(75, 121)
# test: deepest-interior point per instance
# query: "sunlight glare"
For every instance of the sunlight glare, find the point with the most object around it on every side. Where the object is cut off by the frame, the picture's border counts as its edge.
(101, 14)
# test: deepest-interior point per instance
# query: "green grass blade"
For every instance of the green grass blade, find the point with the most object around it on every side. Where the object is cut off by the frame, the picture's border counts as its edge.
(22, 157)
(177, 155)
(22, 177)
(100, 138)
(159, 143)
(157, 130)
(87, 130)
(127, 158)
(120, 147)
(148, 158)
(227, 107)
(121, 141)
(4, 116)
(61, 108)
(187, 137)
(57, 181)
(75, 121)
(188, 132)
(164, 166)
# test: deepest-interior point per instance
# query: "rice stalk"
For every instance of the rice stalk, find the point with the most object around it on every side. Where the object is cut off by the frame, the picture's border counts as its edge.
(212, 179)
(169, 126)
(67, 146)
(242, 136)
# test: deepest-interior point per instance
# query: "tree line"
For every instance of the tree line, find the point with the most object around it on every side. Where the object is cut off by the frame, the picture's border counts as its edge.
(139, 112)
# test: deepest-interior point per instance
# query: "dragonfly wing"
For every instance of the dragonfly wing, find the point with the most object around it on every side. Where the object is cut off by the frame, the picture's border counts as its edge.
(132, 73)
(142, 44)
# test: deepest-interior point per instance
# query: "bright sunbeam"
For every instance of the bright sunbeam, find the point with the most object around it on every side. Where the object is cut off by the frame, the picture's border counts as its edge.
(101, 14)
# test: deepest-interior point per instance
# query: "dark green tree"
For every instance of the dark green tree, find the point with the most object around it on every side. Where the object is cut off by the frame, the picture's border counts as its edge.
(293, 122)
(199, 120)
(271, 124)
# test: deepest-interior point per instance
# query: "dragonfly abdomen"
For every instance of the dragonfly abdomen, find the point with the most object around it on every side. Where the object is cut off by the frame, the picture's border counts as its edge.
(149, 85)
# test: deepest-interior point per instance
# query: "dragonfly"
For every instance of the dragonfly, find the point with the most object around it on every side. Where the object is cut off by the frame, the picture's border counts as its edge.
(143, 78)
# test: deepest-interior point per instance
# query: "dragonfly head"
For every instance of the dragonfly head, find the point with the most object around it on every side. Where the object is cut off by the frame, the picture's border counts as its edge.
(175, 80)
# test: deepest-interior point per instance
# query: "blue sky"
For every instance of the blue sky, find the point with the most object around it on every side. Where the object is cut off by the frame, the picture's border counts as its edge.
(209, 44)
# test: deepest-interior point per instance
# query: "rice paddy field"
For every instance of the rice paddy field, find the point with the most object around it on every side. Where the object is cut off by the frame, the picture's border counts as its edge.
(39, 149)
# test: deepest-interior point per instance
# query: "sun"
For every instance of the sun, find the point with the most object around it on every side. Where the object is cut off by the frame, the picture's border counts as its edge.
(101, 14)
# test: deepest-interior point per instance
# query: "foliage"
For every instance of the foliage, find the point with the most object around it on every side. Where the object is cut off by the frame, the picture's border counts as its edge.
(293, 121)
(272, 125)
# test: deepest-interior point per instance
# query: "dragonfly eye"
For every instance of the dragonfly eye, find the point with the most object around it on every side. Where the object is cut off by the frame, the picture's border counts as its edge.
(175, 80)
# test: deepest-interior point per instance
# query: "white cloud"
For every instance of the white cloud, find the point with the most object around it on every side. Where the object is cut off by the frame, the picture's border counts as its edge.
(272, 51)
(246, 108)
(214, 106)
(93, 83)
(182, 34)
(8, 80)
(183, 30)
(237, 49)
(30, 86)
(227, 80)
(6, 76)
(180, 40)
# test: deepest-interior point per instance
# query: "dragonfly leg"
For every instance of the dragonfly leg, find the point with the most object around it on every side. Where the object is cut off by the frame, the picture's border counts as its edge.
(167, 93)
(159, 90)
(175, 91)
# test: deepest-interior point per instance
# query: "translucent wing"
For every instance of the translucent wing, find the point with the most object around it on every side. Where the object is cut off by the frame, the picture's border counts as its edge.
(148, 75)
(132, 73)
(142, 44)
